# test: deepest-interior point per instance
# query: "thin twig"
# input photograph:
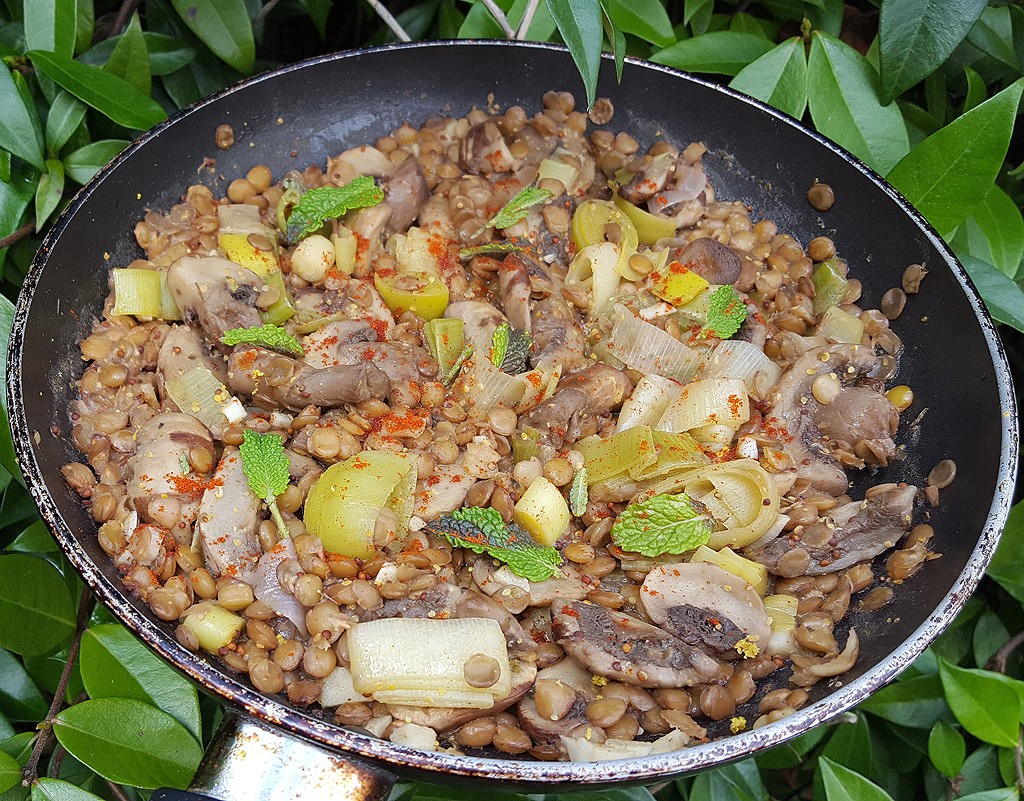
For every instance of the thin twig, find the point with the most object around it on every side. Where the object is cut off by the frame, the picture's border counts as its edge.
(123, 13)
(500, 18)
(999, 659)
(31, 771)
(58, 758)
(21, 233)
(527, 20)
(265, 11)
(389, 20)
(117, 790)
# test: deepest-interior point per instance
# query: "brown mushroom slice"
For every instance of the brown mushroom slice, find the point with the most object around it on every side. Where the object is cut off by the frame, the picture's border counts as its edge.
(712, 260)
(652, 179)
(185, 349)
(216, 293)
(228, 520)
(479, 321)
(568, 689)
(622, 647)
(706, 606)
(405, 192)
(573, 411)
(444, 491)
(266, 585)
(155, 468)
(356, 161)
(485, 152)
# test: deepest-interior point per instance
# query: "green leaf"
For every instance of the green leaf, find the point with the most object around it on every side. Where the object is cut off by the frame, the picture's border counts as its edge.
(579, 493)
(5, 166)
(740, 781)
(328, 202)
(720, 52)
(267, 336)
(49, 191)
(989, 636)
(579, 23)
(166, 53)
(50, 25)
(36, 610)
(985, 706)
(45, 789)
(994, 232)
(64, 117)
(1002, 794)
(842, 93)
(129, 742)
(946, 749)
(10, 772)
(697, 14)
(46, 672)
(116, 665)
(510, 349)
(662, 524)
(130, 59)
(85, 162)
(842, 784)
(617, 39)
(106, 93)
(6, 729)
(36, 538)
(516, 209)
(85, 24)
(20, 699)
(223, 26)
(917, 36)
(778, 78)
(917, 702)
(318, 11)
(20, 132)
(977, 92)
(952, 171)
(992, 35)
(726, 313)
(644, 18)
(1004, 300)
(264, 463)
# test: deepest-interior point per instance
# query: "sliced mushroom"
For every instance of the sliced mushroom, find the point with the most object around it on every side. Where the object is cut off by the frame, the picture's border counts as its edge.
(266, 584)
(185, 349)
(479, 321)
(216, 293)
(485, 152)
(705, 606)
(358, 161)
(573, 411)
(404, 193)
(622, 647)
(442, 492)
(571, 689)
(708, 257)
(229, 519)
(651, 179)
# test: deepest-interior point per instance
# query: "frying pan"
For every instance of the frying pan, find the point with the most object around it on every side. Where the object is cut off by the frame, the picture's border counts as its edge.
(300, 115)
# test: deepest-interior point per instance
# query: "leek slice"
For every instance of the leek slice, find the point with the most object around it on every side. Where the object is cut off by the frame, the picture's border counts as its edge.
(316, 323)
(649, 227)
(596, 221)
(676, 284)
(593, 269)
(840, 326)
(344, 504)
(830, 285)
(485, 386)
(214, 626)
(137, 292)
(345, 246)
(422, 293)
(782, 610)
(237, 223)
(559, 170)
(168, 308)
(651, 397)
(200, 394)
(696, 311)
(676, 452)
(739, 495)
(542, 511)
(526, 445)
(734, 358)
(647, 348)
(628, 452)
(417, 251)
(754, 573)
(445, 338)
(421, 662)
(282, 309)
(712, 401)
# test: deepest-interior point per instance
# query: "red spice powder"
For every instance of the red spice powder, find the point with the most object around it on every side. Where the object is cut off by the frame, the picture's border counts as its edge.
(380, 327)
(247, 360)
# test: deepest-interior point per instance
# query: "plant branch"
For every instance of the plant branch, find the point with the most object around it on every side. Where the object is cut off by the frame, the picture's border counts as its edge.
(31, 771)
(500, 18)
(999, 659)
(21, 233)
(123, 13)
(389, 20)
(117, 791)
(527, 20)
(265, 11)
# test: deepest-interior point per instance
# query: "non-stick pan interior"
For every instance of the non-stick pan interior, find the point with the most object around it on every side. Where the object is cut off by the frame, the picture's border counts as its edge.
(301, 115)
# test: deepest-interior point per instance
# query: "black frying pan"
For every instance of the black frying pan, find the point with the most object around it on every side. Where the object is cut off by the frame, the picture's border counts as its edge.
(302, 114)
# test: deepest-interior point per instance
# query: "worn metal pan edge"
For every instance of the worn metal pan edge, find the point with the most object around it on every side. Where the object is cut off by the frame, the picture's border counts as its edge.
(445, 767)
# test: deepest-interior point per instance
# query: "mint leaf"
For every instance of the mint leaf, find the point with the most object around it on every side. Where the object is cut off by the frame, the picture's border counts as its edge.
(266, 469)
(662, 524)
(726, 313)
(449, 377)
(329, 202)
(492, 247)
(483, 531)
(510, 349)
(515, 210)
(578, 495)
(272, 337)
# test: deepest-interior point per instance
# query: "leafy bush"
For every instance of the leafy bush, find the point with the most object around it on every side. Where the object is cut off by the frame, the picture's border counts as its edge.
(925, 92)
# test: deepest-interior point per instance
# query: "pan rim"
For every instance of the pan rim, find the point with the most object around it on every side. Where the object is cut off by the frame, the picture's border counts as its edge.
(519, 772)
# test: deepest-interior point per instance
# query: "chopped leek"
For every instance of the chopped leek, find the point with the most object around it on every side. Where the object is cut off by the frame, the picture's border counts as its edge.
(344, 504)
(345, 246)
(649, 227)
(647, 348)
(596, 221)
(293, 190)
(830, 285)
(542, 511)
(445, 338)
(651, 396)
(338, 689)
(200, 394)
(168, 308)
(840, 326)
(526, 444)
(309, 325)
(417, 250)
(559, 170)
(214, 626)
(734, 358)
(140, 292)
(423, 662)
(238, 222)
(782, 610)
(486, 386)
(628, 452)
(676, 452)
(712, 401)
(422, 293)
(593, 269)
(282, 309)
(696, 311)
(754, 573)
(238, 249)
(676, 284)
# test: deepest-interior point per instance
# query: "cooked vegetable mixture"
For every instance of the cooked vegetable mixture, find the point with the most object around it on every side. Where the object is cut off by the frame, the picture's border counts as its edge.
(500, 432)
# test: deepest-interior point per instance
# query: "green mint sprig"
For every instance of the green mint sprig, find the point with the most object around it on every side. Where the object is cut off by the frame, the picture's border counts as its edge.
(510, 349)
(483, 531)
(266, 469)
(448, 378)
(726, 313)
(579, 495)
(515, 210)
(272, 337)
(662, 524)
(324, 203)
(491, 247)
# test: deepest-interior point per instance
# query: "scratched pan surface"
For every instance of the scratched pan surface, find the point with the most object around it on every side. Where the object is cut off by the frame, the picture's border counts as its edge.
(304, 113)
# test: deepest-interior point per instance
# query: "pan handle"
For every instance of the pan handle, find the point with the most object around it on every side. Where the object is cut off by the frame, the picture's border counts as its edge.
(249, 760)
